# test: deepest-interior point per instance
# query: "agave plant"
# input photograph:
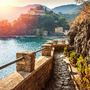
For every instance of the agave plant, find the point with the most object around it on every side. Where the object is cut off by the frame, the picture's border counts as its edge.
(73, 58)
(84, 71)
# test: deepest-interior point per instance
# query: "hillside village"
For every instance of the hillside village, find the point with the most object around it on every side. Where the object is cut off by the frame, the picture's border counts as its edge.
(37, 21)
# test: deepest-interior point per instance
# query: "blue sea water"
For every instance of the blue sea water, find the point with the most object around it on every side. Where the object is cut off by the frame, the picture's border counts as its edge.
(9, 47)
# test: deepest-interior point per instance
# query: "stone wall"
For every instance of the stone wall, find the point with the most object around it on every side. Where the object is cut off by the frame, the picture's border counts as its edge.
(59, 47)
(38, 78)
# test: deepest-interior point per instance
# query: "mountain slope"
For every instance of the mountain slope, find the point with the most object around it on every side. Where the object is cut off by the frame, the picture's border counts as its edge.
(75, 10)
(65, 8)
(69, 17)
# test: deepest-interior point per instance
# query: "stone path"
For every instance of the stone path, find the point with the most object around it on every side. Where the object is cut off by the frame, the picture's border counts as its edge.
(61, 79)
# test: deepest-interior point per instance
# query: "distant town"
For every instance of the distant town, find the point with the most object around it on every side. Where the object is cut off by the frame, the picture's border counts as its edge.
(38, 22)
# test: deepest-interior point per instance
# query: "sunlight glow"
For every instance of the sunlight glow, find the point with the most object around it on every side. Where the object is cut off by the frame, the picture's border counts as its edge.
(5, 6)
(5, 9)
(6, 2)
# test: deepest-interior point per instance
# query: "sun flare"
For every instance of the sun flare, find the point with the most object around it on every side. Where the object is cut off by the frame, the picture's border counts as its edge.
(5, 6)
(5, 9)
(6, 2)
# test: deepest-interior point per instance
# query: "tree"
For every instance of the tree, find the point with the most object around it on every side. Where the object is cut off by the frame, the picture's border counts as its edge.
(56, 16)
(50, 12)
(62, 22)
(45, 10)
(38, 8)
(46, 22)
(69, 17)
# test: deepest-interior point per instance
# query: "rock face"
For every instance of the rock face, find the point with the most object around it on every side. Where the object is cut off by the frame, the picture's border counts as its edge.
(88, 51)
(79, 38)
(79, 34)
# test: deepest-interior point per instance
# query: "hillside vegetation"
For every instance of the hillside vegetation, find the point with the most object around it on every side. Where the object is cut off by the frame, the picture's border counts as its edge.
(69, 17)
(26, 24)
(65, 8)
(44, 22)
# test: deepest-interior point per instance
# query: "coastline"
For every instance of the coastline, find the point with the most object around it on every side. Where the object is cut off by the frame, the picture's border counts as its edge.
(33, 36)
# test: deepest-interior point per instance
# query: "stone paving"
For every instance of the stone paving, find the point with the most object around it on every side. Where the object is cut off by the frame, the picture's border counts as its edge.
(61, 79)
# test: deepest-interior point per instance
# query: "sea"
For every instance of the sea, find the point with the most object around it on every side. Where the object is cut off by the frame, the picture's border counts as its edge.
(10, 46)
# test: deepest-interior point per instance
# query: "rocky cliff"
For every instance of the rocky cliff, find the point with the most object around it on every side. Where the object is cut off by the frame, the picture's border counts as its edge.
(79, 34)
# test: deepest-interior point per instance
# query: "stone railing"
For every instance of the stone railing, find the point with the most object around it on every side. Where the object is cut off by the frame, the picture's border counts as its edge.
(32, 74)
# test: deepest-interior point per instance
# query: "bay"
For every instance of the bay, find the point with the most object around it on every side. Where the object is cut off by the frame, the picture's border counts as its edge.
(10, 46)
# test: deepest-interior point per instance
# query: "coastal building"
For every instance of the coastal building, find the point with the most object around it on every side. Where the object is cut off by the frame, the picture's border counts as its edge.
(45, 33)
(66, 32)
(38, 32)
(59, 30)
(56, 21)
(36, 12)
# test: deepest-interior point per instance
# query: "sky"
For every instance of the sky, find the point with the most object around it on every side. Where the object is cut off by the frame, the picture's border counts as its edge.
(48, 3)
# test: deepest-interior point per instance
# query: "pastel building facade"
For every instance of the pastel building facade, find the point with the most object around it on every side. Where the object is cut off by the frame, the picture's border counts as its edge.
(59, 30)
(36, 12)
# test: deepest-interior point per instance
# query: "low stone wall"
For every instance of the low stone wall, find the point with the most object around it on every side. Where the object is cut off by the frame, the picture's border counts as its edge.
(39, 77)
(32, 74)
(59, 47)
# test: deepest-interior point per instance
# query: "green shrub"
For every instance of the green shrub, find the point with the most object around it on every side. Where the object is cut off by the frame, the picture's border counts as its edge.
(73, 58)
(81, 63)
(65, 50)
(84, 71)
